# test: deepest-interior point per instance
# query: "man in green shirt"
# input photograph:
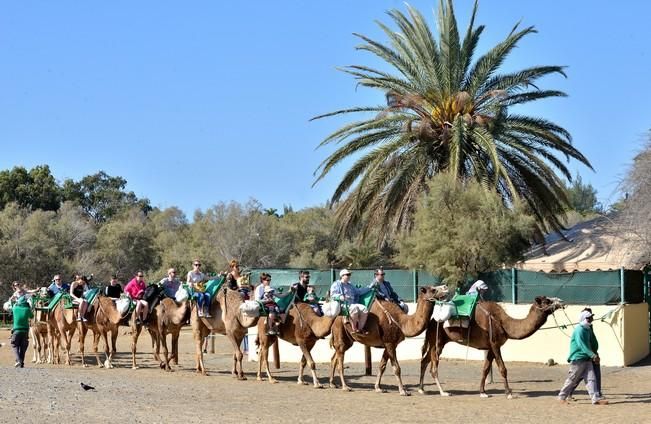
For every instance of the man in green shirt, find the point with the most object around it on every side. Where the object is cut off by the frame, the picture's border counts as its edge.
(581, 358)
(20, 332)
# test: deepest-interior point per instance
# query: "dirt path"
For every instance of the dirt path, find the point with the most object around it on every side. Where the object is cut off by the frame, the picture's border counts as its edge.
(42, 393)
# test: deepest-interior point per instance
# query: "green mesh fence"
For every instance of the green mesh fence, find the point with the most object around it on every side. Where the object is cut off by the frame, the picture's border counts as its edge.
(590, 287)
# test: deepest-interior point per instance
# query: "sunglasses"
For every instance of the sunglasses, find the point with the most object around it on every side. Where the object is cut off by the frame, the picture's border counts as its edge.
(197, 264)
(57, 279)
(379, 274)
(139, 276)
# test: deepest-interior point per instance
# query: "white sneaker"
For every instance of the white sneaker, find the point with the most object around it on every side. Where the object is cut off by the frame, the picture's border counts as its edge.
(17, 365)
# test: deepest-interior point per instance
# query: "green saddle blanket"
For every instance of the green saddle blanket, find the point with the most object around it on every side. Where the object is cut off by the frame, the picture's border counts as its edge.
(465, 304)
(213, 286)
(90, 295)
(67, 301)
(365, 299)
(282, 302)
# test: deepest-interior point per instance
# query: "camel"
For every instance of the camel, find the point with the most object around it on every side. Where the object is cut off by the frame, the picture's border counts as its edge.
(302, 328)
(104, 318)
(489, 329)
(170, 318)
(61, 322)
(226, 319)
(387, 325)
(39, 333)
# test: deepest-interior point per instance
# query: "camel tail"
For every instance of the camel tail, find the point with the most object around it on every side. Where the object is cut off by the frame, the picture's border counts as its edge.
(257, 341)
(426, 347)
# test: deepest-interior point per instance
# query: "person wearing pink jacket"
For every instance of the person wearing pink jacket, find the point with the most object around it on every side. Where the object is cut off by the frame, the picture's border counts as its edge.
(135, 290)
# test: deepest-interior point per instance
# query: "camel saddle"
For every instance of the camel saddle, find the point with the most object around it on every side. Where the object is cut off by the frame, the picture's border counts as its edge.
(213, 286)
(465, 308)
(366, 300)
(283, 304)
(57, 298)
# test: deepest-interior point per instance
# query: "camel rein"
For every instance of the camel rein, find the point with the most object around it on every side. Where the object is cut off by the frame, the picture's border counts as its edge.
(391, 319)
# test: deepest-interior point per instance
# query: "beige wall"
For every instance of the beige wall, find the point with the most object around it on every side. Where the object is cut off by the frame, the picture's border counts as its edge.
(623, 337)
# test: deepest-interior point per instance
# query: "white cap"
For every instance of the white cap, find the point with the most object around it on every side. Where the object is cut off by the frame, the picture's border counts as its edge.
(585, 315)
(344, 272)
(268, 289)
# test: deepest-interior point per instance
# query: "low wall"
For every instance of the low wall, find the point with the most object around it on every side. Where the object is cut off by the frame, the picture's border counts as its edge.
(622, 332)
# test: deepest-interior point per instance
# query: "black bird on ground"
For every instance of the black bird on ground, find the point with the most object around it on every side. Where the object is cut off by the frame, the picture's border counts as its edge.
(86, 387)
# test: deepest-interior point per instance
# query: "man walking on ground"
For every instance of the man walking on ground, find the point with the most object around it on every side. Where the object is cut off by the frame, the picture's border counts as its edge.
(20, 331)
(581, 360)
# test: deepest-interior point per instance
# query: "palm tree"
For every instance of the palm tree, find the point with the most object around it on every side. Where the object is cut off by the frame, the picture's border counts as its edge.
(446, 112)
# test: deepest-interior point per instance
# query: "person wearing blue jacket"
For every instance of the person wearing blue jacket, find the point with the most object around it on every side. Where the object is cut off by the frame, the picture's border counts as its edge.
(581, 358)
(343, 291)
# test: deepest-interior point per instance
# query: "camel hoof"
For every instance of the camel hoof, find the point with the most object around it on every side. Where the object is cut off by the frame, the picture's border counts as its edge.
(273, 381)
(509, 396)
(484, 395)
(241, 377)
(346, 389)
(84, 365)
(445, 393)
(405, 393)
(134, 367)
(304, 383)
(421, 391)
(258, 378)
(379, 390)
(318, 386)
(332, 386)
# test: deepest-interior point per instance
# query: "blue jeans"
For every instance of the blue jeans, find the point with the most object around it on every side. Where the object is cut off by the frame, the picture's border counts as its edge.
(203, 300)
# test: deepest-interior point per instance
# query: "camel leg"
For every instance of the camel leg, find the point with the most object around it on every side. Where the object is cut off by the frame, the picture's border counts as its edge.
(175, 347)
(67, 338)
(37, 345)
(381, 369)
(165, 362)
(261, 358)
(82, 339)
(264, 356)
(114, 339)
(107, 362)
(333, 364)
(96, 336)
(307, 357)
(155, 344)
(54, 343)
(488, 362)
(199, 332)
(237, 371)
(301, 369)
(340, 367)
(391, 351)
(135, 333)
(502, 367)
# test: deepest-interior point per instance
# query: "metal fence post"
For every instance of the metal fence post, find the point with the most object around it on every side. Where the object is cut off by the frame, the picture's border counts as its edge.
(513, 283)
(621, 285)
(414, 281)
(333, 277)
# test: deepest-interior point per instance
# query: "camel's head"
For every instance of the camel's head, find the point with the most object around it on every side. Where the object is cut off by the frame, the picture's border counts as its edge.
(434, 293)
(548, 304)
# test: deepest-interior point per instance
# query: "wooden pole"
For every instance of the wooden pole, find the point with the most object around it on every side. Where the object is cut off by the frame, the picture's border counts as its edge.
(276, 354)
(212, 343)
(367, 360)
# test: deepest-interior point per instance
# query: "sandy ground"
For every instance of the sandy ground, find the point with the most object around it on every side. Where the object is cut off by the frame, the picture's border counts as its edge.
(149, 395)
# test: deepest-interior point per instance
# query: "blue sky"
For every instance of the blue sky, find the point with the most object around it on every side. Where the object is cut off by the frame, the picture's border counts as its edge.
(199, 102)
